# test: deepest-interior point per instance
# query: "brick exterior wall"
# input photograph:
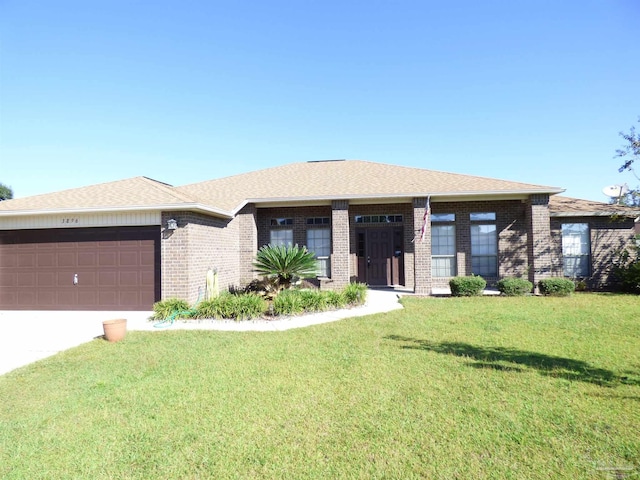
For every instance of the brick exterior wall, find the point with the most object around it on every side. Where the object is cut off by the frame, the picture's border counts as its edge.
(247, 220)
(511, 229)
(340, 248)
(422, 249)
(529, 242)
(607, 235)
(200, 242)
(539, 238)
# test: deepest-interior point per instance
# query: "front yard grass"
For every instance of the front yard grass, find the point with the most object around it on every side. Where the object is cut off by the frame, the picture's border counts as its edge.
(464, 388)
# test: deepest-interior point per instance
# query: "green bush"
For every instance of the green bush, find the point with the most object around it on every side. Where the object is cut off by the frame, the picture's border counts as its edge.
(513, 287)
(467, 286)
(166, 308)
(239, 307)
(557, 287)
(334, 299)
(313, 300)
(288, 302)
(355, 293)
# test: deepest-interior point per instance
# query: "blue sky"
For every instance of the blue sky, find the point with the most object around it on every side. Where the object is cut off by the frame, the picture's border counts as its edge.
(534, 91)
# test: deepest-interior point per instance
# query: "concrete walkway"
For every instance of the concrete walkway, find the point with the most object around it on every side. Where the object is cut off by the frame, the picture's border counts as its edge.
(28, 336)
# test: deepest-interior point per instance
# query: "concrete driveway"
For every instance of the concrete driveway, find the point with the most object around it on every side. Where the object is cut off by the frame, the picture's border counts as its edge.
(28, 336)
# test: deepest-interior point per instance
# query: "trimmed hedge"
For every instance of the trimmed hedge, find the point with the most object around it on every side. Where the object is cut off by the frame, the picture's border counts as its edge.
(467, 286)
(557, 287)
(514, 287)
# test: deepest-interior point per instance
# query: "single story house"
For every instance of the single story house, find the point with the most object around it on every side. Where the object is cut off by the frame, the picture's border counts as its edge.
(124, 245)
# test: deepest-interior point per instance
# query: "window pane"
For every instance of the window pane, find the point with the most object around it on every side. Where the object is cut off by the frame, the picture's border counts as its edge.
(484, 240)
(281, 237)
(482, 216)
(443, 217)
(443, 267)
(575, 249)
(485, 266)
(443, 240)
(319, 241)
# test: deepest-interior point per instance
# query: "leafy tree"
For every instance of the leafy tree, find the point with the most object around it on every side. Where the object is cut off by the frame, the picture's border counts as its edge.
(630, 152)
(285, 263)
(5, 192)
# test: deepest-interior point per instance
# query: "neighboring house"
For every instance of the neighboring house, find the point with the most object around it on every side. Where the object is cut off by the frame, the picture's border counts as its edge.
(125, 244)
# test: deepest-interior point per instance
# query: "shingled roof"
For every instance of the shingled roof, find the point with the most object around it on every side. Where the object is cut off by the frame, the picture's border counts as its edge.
(137, 193)
(354, 180)
(560, 206)
(348, 179)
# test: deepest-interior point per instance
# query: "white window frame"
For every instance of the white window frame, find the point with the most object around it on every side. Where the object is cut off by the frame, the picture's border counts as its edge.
(281, 236)
(322, 252)
(576, 250)
(484, 244)
(443, 246)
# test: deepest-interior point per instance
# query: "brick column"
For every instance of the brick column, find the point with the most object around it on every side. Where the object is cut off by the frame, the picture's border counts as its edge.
(175, 257)
(422, 249)
(539, 238)
(248, 241)
(340, 274)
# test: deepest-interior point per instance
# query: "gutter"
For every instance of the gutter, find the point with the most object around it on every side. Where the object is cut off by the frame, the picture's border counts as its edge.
(197, 207)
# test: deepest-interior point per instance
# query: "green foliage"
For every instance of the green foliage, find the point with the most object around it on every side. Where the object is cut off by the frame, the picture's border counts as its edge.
(6, 193)
(513, 287)
(355, 293)
(239, 307)
(286, 263)
(630, 152)
(166, 308)
(467, 286)
(288, 302)
(334, 299)
(626, 272)
(557, 287)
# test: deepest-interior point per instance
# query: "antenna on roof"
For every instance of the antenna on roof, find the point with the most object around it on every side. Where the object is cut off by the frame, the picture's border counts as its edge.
(616, 191)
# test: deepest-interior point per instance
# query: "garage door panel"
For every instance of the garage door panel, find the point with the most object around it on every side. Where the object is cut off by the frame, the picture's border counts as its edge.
(108, 259)
(66, 259)
(117, 268)
(128, 259)
(26, 260)
(46, 259)
(107, 279)
(26, 279)
(87, 259)
(46, 279)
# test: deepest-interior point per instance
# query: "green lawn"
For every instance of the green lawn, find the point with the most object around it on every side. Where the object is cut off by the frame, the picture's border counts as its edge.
(446, 388)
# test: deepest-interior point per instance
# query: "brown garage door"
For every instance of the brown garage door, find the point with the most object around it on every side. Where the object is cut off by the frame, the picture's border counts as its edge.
(115, 268)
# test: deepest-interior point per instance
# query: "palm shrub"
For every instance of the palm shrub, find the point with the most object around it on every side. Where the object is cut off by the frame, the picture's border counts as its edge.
(286, 263)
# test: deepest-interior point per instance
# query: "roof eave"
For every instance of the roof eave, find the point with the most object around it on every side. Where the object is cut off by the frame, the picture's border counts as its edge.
(194, 207)
(441, 196)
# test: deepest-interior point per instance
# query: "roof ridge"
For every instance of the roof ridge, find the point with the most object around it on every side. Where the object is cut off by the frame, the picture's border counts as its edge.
(166, 187)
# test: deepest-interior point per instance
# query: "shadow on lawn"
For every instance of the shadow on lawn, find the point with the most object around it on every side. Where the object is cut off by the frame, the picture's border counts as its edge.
(496, 358)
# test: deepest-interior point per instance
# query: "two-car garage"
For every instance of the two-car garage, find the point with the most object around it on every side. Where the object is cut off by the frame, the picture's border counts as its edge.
(102, 268)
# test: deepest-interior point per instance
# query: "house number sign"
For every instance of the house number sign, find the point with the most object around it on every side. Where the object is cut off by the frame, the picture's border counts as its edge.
(69, 220)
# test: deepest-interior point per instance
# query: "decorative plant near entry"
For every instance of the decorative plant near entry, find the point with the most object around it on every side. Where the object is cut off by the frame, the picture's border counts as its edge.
(287, 264)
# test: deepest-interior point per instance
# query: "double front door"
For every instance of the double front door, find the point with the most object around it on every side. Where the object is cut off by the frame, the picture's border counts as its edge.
(380, 255)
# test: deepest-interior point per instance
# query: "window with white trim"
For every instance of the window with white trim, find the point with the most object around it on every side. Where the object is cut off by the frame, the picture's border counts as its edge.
(443, 245)
(319, 243)
(281, 236)
(484, 244)
(575, 250)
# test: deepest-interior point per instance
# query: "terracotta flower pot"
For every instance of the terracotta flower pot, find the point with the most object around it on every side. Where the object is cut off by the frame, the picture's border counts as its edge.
(115, 330)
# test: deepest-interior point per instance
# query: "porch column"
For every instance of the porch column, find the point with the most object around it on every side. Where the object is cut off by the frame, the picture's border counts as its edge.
(248, 242)
(539, 238)
(422, 248)
(340, 275)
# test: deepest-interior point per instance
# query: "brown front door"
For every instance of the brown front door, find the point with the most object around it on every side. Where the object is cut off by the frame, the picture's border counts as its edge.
(380, 259)
(114, 268)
